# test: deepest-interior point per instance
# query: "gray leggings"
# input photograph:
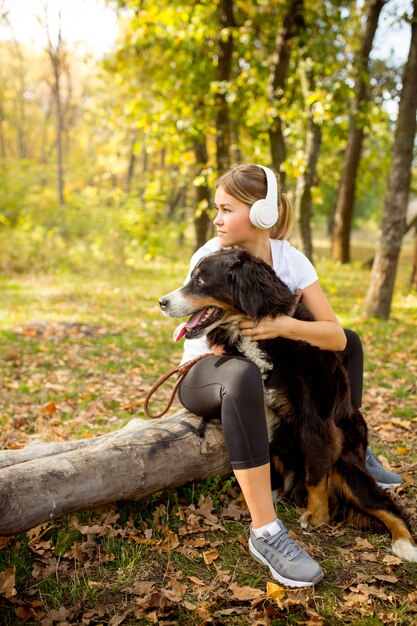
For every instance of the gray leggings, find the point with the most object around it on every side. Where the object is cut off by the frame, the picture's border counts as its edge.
(230, 388)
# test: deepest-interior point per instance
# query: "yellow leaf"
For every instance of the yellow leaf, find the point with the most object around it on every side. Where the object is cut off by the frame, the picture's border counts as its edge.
(274, 591)
(403, 450)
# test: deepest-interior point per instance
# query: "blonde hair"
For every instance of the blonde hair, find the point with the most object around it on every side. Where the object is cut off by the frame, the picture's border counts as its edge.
(247, 183)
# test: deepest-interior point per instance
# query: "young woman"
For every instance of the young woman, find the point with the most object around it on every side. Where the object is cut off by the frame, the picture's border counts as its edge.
(254, 214)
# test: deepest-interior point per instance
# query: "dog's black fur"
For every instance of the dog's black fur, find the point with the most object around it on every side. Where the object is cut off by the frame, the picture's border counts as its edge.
(318, 439)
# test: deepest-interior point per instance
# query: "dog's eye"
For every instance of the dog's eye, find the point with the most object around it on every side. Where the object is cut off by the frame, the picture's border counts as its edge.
(200, 281)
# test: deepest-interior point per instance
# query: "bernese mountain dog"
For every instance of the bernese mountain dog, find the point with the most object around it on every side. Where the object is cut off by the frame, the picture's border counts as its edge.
(318, 439)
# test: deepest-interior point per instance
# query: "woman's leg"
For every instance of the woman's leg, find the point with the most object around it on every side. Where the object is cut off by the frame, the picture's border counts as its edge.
(231, 388)
(352, 358)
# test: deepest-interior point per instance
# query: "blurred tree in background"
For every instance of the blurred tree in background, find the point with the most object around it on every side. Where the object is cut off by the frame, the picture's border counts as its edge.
(115, 160)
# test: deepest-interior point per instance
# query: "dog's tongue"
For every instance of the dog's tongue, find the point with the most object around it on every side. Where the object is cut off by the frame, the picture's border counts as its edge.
(193, 321)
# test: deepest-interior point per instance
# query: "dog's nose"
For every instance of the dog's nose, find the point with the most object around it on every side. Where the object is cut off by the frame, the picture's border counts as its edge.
(163, 302)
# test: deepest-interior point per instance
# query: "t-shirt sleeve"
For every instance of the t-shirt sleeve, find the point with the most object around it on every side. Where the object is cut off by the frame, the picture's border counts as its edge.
(209, 247)
(303, 271)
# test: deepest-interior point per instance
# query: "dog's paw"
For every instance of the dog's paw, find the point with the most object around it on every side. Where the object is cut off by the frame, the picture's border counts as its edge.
(405, 550)
(310, 519)
(305, 520)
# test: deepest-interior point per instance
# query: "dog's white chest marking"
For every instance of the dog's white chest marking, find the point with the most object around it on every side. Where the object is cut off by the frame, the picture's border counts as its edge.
(252, 351)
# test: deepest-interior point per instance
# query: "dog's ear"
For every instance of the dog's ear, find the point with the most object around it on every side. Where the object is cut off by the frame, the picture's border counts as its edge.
(255, 288)
(249, 282)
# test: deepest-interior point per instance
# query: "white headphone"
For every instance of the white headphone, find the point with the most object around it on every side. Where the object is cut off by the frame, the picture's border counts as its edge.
(264, 213)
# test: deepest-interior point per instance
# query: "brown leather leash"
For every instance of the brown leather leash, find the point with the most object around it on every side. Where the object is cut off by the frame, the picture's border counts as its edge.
(181, 370)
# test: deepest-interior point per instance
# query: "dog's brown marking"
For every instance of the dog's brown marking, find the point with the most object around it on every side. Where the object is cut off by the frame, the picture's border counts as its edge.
(396, 526)
(317, 511)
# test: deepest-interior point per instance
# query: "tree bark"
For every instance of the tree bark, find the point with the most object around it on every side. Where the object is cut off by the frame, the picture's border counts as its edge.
(292, 24)
(203, 196)
(384, 269)
(55, 53)
(303, 200)
(132, 163)
(45, 480)
(347, 185)
(226, 23)
(413, 277)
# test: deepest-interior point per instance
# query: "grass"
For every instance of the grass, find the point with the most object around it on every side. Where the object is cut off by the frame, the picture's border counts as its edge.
(80, 352)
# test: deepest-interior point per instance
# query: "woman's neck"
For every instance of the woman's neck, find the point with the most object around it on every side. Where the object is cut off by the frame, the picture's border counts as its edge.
(260, 249)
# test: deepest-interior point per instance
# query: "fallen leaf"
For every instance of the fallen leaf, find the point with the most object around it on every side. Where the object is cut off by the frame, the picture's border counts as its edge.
(118, 619)
(210, 555)
(403, 451)
(143, 587)
(143, 540)
(245, 593)
(49, 408)
(390, 559)
(362, 544)
(168, 544)
(56, 615)
(405, 424)
(386, 579)
(196, 581)
(372, 557)
(7, 582)
(232, 511)
(274, 591)
(205, 507)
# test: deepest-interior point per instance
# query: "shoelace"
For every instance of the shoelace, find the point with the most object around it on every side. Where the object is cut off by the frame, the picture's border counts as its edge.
(284, 544)
(372, 460)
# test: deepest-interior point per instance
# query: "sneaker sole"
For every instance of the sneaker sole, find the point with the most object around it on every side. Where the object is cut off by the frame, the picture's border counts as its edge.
(285, 581)
(388, 485)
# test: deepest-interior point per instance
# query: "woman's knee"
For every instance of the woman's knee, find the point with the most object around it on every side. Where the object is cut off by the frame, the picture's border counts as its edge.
(354, 343)
(241, 377)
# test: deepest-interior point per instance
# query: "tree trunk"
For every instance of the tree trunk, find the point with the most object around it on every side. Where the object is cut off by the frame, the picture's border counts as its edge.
(224, 67)
(284, 43)
(201, 216)
(2, 137)
(46, 480)
(347, 185)
(303, 201)
(132, 163)
(393, 225)
(413, 277)
(55, 54)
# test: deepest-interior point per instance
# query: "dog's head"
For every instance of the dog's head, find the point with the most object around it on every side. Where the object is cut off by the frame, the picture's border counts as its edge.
(226, 285)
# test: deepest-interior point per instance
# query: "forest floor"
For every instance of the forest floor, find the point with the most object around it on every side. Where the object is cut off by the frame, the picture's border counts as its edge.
(78, 355)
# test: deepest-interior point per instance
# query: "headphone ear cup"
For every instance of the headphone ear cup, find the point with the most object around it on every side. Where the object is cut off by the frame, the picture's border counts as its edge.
(262, 214)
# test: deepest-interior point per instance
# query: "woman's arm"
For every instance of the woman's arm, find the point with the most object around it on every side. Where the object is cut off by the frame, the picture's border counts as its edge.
(325, 332)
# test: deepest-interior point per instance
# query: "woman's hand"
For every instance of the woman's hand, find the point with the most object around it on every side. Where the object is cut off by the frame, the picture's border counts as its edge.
(325, 332)
(267, 328)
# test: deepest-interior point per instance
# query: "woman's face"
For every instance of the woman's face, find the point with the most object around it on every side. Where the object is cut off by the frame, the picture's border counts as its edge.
(232, 222)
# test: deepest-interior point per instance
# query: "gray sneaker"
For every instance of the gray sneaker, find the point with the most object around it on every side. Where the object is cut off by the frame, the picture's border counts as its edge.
(288, 563)
(383, 477)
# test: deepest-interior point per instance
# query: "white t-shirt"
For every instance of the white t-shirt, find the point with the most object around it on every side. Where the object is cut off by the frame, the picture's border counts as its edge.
(288, 263)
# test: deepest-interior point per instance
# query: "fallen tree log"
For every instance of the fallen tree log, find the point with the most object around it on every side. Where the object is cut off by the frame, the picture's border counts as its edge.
(45, 480)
